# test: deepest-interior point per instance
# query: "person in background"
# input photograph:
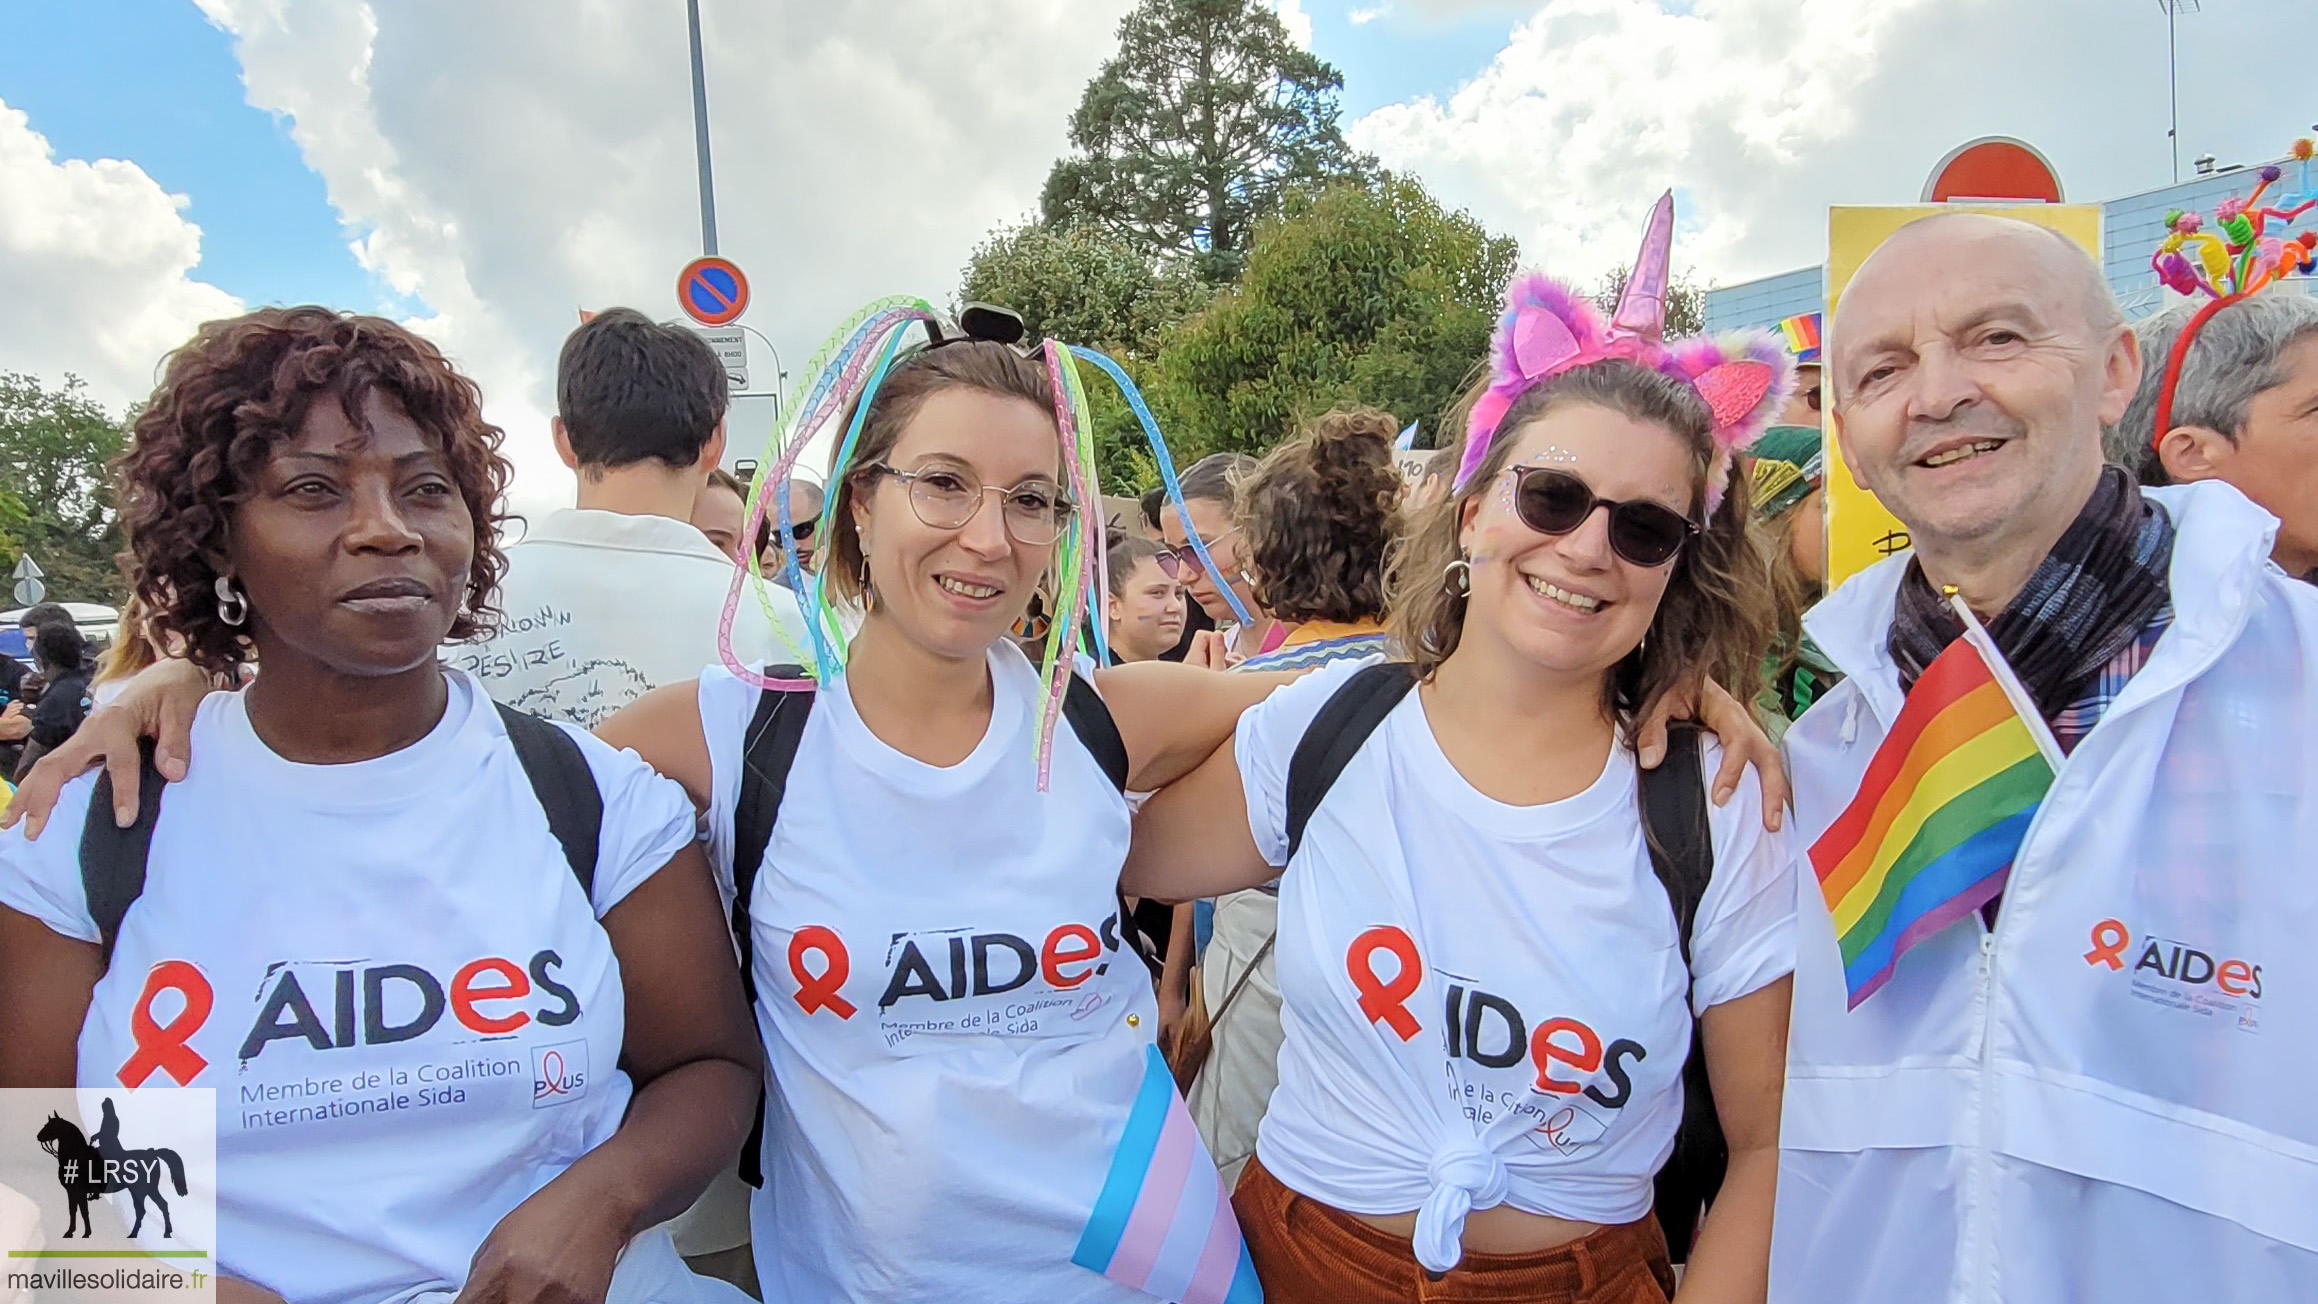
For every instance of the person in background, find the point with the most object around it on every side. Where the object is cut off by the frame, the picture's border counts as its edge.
(1208, 491)
(61, 656)
(1790, 507)
(1315, 519)
(321, 488)
(2245, 412)
(15, 713)
(134, 647)
(805, 502)
(1432, 486)
(620, 593)
(720, 510)
(1146, 602)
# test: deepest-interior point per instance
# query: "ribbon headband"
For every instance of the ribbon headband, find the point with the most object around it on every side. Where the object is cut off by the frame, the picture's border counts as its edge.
(2240, 260)
(850, 368)
(1548, 329)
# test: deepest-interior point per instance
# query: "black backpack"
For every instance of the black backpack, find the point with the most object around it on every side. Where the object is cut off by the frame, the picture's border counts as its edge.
(769, 750)
(112, 859)
(1681, 842)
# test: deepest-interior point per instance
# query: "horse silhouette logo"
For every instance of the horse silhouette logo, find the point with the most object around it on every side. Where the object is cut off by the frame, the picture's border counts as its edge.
(87, 1170)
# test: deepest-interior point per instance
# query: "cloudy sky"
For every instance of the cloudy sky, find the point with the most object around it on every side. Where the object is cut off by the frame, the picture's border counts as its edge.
(485, 168)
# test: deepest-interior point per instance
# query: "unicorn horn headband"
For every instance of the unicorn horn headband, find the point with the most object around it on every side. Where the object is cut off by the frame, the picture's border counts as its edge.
(850, 367)
(2228, 267)
(1548, 329)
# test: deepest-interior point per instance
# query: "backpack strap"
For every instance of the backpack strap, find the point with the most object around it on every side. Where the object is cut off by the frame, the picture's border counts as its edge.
(1676, 829)
(1091, 720)
(566, 789)
(112, 859)
(1335, 735)
(768, 752)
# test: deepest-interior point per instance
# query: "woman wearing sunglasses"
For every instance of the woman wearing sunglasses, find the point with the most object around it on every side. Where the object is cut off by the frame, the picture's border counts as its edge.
(1485, 996)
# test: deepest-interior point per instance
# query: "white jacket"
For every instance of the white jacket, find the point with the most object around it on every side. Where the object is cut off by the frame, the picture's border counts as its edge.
(2113, 1097)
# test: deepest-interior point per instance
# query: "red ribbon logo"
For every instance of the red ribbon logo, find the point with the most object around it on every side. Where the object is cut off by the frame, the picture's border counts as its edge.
(1385, 1001)
(819, 991)
(164, 1048)
(2110, 938)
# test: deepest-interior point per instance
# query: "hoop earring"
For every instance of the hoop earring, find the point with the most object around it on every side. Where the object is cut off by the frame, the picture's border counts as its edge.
(232, 607)
(1457, 578)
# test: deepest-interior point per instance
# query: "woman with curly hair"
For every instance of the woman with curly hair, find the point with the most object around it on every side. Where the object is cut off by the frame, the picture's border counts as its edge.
(441, 961)
(1315, 519)
(1487, 1000)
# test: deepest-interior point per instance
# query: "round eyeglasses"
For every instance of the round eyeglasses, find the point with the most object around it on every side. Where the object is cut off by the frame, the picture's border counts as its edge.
(947, 497)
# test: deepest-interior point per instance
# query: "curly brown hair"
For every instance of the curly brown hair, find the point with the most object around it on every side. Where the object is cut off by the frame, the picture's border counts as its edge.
(1317, 516)
(1714, 619)
(238, 390)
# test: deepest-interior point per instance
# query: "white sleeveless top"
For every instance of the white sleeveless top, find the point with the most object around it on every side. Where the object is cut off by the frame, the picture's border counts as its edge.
(413, 1018)
(1484, 1003)
(955, 1035)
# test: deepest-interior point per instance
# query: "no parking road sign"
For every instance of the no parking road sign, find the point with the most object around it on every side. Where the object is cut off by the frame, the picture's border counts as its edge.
(712, 291)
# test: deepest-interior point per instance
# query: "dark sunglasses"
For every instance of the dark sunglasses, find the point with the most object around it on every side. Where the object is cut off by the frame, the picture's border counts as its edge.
(1811, 397)
(1182, 564)
(1556, 502)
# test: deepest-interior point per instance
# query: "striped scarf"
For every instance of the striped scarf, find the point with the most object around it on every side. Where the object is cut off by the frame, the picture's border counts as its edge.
(2088, 600)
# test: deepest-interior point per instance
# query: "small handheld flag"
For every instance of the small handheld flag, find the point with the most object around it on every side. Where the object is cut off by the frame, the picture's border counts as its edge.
(1408, 438)
(1944, 807)
(1163, 1224)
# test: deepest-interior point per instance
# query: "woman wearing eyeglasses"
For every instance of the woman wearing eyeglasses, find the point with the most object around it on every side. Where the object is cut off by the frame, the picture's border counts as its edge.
(1485, 992)
(955, 1034)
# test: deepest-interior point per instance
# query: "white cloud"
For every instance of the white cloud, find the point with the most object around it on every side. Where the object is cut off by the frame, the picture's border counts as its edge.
(1293, 17)
(94, 263)
(509, 164)
(1363, 17)
(1761, 113)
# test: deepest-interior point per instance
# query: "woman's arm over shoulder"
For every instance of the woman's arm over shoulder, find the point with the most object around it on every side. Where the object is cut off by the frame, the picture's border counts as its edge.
(663, 726)
(1223, 827)
(1172, 717)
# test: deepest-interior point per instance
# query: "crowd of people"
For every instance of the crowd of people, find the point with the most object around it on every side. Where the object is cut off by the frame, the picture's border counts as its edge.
(1427, 897)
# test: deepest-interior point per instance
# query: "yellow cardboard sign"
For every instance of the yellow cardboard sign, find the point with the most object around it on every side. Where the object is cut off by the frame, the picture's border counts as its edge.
(1860, 532)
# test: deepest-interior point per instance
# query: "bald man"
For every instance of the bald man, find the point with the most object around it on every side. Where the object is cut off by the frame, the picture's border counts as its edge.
(2089, 1074)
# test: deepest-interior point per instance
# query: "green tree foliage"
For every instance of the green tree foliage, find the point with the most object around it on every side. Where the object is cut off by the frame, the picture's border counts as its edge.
(1086, 285)
(1203, 121)
(1358, 294)
(56, 501)
(1083, 284)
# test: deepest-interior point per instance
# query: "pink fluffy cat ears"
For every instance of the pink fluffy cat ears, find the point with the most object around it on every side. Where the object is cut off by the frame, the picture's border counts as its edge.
(1548, 329)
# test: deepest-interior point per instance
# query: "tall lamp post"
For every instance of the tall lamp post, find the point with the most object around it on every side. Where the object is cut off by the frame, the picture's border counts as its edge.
(700, 131)
(2173, 9)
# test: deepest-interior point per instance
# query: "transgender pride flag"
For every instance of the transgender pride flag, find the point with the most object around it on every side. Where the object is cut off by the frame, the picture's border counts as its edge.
(1163, 1223)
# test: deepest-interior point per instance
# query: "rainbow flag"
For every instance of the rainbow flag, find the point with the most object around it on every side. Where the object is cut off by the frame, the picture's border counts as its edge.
(1946, 802)
(1802, 332)
(1163, 1224)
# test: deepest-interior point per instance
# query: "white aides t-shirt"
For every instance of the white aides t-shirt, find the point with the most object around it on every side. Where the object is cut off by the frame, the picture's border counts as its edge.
(954, 1032)
(603, 607)
(1486, 1001)
(388, 973)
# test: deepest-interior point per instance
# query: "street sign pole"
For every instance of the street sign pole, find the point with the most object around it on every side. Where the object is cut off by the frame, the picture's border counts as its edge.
(29, 589)
(700, 134)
